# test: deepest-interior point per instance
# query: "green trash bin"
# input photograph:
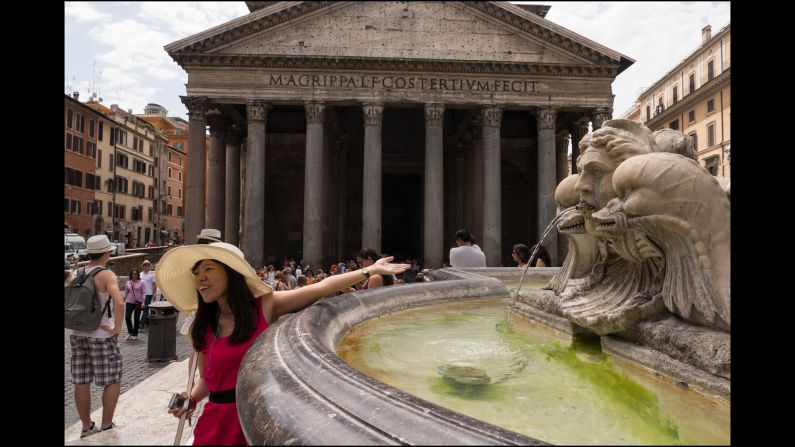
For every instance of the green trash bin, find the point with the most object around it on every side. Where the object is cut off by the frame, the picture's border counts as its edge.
(162, 344)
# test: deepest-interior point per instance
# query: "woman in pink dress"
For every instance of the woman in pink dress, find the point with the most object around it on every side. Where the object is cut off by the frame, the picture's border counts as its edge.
(233, 306)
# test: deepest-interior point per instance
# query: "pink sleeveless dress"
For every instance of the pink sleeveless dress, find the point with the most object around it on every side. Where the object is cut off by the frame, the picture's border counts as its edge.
(219, 423)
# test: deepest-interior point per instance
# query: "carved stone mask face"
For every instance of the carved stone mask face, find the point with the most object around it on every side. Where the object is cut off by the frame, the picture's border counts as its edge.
(595, 184)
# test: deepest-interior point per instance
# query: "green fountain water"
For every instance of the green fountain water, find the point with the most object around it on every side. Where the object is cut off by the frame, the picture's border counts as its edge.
(530, 378)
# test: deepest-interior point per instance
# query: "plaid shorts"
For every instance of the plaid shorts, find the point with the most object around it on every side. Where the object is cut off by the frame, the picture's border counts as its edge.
(95, 358)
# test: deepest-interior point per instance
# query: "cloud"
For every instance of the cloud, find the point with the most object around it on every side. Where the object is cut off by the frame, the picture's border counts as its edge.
(187, 18)
(83, 12)
(657, 35)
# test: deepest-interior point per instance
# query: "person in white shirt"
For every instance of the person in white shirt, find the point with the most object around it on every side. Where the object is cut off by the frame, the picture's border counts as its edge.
(464, 255)
(150, 290)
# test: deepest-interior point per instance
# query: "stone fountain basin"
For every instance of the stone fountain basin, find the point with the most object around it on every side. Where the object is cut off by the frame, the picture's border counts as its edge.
(293, 388)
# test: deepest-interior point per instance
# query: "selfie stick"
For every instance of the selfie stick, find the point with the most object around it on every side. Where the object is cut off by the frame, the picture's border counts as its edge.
(186, 404)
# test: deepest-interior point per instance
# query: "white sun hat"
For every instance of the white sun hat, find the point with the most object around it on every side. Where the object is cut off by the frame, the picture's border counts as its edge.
(175, 278)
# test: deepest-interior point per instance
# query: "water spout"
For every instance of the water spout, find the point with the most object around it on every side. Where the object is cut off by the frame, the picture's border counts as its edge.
(552, 224)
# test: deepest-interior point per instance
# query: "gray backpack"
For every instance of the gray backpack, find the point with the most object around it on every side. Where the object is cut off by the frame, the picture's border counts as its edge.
(81, 306)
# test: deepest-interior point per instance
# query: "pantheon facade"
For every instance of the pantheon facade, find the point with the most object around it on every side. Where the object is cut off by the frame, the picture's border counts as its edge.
(389, 125)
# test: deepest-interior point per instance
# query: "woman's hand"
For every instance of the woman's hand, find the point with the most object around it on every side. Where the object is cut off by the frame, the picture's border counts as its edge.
(178, 412)
(383, 266)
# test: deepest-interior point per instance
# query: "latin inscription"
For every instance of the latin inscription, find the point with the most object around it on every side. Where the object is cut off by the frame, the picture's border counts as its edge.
(401, 82)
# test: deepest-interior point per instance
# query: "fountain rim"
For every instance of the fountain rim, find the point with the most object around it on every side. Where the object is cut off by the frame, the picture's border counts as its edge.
(300, 353)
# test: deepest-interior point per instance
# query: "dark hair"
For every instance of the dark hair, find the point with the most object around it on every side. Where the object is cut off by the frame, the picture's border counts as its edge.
(542, 253)
(240, 300)
(464, 235)
(136, 272)
(367, 253)
(95, 256)
(522, 252)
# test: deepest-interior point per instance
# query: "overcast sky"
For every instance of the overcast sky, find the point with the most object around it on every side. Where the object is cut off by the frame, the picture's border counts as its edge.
(116, 48)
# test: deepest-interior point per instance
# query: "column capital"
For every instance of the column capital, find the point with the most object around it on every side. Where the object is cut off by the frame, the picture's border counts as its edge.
(217, 124)
(434, 114)
(373, 113)
(197, 106)
(233, 135)
(257, 110)
(492, 115)
(315, 112)
(579, 127)
(475, 129)
(600, 115)
(545, 118)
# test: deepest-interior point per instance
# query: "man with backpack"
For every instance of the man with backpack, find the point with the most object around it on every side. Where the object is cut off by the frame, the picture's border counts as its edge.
(95, 351)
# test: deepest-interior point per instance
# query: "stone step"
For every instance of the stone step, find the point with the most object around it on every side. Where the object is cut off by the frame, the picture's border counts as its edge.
(140, 416)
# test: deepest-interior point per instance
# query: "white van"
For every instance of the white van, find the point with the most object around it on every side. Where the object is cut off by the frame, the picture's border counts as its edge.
(78, 242)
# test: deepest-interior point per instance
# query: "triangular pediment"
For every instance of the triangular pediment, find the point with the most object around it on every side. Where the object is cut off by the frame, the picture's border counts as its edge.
(455, 31)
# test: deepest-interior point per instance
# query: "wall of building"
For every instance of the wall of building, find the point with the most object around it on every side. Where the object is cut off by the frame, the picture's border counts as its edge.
(79, 166)
(698, 117)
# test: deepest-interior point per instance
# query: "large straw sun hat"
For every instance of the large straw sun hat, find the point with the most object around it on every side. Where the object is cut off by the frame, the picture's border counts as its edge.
(175, 279)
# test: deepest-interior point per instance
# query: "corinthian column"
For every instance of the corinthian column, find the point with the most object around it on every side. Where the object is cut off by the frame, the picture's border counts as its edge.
(216, 173)
(194, 190)
(232, 208)
(599, 116)
(545, 119)
(313, 184)
(560, 156)
(434, 187)
(492, 184)
(254, 217)
(578, 130)
(371, 184)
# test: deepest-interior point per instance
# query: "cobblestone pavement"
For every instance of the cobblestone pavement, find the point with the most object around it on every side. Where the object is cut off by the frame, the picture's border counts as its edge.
(135, 368)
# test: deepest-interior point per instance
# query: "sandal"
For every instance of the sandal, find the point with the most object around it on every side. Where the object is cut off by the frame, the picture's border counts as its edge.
(112, 425)
(129, 337)
(93, 429)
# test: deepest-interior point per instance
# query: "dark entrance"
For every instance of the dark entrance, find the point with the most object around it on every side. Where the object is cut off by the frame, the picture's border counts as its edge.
(401, 218)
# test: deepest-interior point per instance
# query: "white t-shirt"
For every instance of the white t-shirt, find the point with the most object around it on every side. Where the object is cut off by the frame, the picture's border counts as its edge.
(148, 279)
(466, 256)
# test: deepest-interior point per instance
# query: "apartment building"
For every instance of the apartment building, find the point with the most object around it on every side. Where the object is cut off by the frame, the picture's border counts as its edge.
(173, 169)
(695, 98)
(81, 132)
